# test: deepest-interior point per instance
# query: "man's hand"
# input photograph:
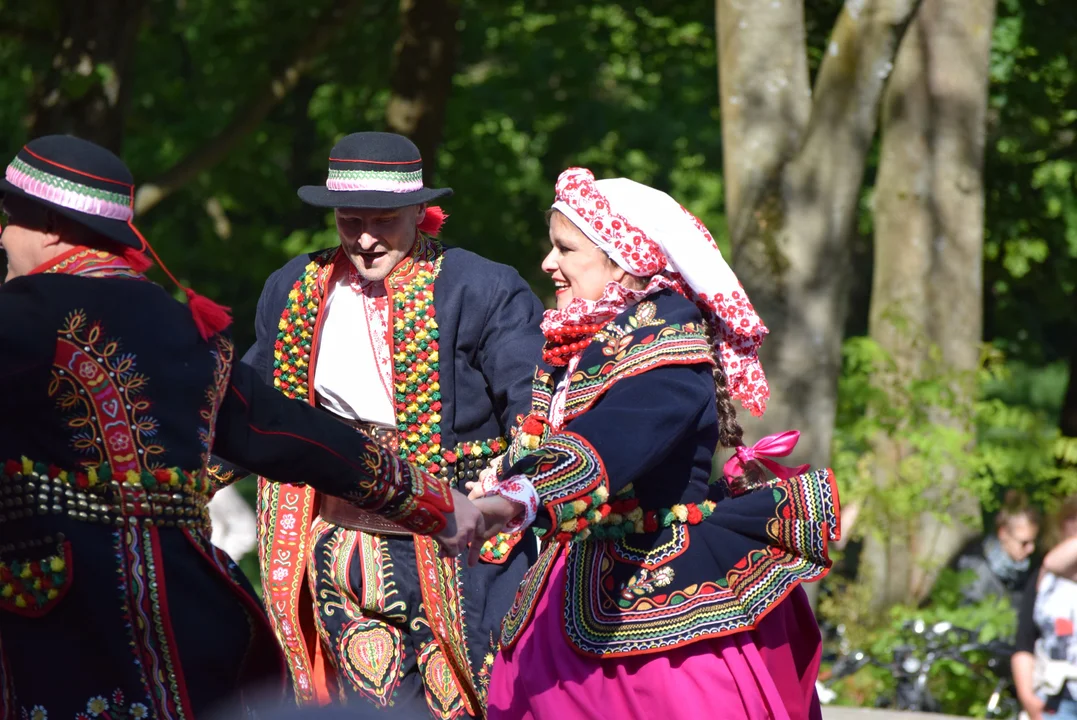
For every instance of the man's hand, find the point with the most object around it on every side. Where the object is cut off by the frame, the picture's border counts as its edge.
(497, 512)
(465, 530)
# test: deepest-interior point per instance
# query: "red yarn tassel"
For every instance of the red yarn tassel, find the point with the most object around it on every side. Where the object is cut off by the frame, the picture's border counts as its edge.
(431, 224)
(137, 260)
(209, 317)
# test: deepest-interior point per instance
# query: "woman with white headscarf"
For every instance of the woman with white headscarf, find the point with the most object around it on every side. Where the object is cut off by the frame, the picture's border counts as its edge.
(661, 591)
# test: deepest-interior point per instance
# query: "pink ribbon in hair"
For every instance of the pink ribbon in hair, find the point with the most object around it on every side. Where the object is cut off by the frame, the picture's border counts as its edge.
(764, 452)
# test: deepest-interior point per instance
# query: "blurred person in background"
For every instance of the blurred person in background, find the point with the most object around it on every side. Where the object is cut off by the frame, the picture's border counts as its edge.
(1003, 563)
(1045, 663)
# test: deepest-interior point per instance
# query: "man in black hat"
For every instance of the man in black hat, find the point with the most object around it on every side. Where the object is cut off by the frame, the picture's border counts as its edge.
(430, 349)
(113, 602)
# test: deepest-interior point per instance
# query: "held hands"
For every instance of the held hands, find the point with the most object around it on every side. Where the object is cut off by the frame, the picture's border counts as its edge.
(472, 522)
(464, 531)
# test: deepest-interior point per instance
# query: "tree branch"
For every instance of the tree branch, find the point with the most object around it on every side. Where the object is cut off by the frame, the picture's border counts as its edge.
(251, 114)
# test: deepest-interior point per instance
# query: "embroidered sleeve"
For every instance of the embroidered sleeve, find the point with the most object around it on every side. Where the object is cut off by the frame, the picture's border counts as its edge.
(292, 442)
(580, 474)
(400, 491)
(567, 476)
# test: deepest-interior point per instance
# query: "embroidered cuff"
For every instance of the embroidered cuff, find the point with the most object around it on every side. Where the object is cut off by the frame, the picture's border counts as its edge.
(570, 480)
(399, 491)
(220, 475)
(520, 490)
(529, 436)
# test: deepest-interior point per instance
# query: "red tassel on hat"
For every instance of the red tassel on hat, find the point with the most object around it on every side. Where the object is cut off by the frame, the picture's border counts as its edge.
(435, 218)
(137, 260)
(209, 317)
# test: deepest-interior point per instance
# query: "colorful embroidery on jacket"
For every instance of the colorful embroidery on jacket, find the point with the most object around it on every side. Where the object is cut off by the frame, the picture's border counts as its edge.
(112, 706)
(98, 388)
(634, 349)
(223, 353)
(95, 263)
(606, 618)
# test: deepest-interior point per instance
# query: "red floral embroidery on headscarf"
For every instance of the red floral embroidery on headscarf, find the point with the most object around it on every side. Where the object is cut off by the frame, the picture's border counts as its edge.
(679, 256)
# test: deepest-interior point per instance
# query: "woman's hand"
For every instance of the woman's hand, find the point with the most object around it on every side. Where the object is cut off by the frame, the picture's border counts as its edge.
(486, 482)
(497, 512)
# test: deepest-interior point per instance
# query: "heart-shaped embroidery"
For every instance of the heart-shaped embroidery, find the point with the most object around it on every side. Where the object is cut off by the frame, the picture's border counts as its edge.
(373, 660)
(437, 676)
(111, 407)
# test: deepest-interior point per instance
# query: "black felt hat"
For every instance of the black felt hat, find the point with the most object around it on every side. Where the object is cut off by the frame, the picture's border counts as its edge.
(79, 180)
(373, 170)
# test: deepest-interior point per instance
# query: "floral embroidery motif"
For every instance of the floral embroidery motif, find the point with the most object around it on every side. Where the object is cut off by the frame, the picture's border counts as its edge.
(618, 338)
(439, 583)
(112, 707)
(99, 389)
(482, 677)
(643, 583)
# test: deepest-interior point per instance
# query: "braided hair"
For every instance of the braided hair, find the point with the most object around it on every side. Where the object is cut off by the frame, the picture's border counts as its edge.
(731, 434)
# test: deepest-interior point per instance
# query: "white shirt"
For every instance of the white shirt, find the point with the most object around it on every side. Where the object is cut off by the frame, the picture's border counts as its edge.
(353, 375)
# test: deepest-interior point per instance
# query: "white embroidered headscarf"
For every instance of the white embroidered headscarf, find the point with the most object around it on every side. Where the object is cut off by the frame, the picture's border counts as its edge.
(648, 233)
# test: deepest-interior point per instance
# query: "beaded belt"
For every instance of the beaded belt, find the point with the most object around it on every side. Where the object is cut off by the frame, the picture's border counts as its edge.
(40, 491)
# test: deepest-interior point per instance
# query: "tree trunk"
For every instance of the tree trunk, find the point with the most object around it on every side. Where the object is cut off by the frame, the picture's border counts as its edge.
(793, 168)
(424, 61)
(928, 279)
(85, 91)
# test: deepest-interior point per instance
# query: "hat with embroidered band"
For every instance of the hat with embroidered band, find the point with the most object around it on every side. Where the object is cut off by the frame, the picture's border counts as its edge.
(79, 180)
(375, 170)
(88, 184)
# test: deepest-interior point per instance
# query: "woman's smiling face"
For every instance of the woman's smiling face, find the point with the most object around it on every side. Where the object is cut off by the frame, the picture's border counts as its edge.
(578, 267)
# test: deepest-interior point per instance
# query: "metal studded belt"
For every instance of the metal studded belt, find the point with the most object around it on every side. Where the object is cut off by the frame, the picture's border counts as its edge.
(112, 502)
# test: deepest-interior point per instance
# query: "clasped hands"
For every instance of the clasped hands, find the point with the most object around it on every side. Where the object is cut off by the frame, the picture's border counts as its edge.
(474, 519)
